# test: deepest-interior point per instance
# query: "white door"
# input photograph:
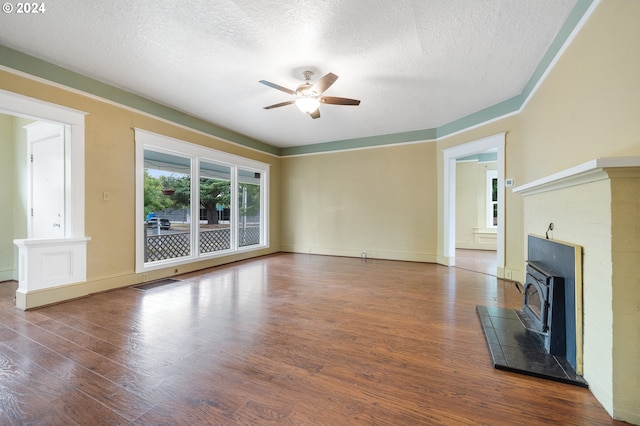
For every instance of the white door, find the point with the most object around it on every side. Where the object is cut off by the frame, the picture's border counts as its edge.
(47, 172)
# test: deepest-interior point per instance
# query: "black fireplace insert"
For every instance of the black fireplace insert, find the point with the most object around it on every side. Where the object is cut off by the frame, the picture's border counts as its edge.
(543, 310)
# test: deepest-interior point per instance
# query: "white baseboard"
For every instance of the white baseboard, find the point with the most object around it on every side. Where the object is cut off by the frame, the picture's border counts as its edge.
(470, 245)
(8, 275)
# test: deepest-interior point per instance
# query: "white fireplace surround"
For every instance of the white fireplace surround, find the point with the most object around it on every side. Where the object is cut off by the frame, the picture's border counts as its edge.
(596, 205)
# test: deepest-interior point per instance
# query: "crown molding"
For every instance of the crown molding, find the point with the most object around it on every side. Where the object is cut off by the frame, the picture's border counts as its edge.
(30, 66)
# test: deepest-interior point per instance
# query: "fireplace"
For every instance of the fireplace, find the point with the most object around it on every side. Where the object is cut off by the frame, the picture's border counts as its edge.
(543, 338)
(543, 308)
(555, 267)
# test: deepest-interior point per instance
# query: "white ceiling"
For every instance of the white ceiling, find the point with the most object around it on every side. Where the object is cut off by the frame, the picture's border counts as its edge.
(414, 64)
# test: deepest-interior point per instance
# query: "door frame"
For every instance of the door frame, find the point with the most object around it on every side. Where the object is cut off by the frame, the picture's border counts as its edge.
(45, 263)
(24, 106)
(497, 143)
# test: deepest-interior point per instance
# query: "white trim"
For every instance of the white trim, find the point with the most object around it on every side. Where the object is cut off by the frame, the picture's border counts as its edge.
(148, 140)
(139, 207)
(560, 52)
(195, 207)
(49, 262)
(479, 125)
(590, 171)
(548, 69)
(360, 148)
(23, 106)
(136, 110)
(181, 147)
(32, 273)
(496, 142)
(235, 216)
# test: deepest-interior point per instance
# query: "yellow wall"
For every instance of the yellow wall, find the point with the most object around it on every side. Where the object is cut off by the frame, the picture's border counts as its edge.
(6, 193)
(20, 181)
(588, 105)
(110, 167)
(625, 227)
(13, 183)
(381, 201)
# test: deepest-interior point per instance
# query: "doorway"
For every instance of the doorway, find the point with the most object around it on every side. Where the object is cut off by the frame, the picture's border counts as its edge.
(477, 212)
(46, 177)
(44, 202)
(495, 143)
(32, 186)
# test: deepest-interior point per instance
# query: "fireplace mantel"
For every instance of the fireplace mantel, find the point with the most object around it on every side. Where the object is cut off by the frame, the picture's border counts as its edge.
(587, 172)
(595, 205)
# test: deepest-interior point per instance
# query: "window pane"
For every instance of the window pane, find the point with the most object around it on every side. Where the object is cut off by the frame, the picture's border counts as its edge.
(249, 208)
(167, 206)
(494, 189)
(494, 200)
(215, 207)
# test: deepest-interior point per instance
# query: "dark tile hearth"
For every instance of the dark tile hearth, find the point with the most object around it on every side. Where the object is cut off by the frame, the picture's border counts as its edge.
(514, 348)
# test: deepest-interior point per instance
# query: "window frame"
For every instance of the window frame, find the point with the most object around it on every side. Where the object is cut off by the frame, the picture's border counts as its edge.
(490, 176)
(232, 179)
(146, 140)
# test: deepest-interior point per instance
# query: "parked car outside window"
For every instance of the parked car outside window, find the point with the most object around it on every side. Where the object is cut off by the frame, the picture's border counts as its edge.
(153, 223)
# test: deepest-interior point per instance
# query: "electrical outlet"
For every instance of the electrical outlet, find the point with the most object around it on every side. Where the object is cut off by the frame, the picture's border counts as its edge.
(145, 277)
(507, 274)
(106, 196)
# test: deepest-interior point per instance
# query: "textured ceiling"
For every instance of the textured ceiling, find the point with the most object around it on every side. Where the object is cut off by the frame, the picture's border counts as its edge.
(414, 64)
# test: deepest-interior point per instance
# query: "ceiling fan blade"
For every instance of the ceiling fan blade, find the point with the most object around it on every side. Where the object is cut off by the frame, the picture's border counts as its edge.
(338, 101)
(276, 86)
(324, 83)
(315, 114)
(281, 104)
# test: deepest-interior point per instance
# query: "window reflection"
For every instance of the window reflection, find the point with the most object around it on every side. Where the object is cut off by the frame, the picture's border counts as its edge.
(215, 207)
(249, 208)
(167, 206)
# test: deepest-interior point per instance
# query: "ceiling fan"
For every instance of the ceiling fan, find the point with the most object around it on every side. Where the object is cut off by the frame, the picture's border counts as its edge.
(308, 96)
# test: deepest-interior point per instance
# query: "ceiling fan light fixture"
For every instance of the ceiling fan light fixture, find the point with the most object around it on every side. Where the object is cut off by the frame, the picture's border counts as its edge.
(308, 96)
(308, 104)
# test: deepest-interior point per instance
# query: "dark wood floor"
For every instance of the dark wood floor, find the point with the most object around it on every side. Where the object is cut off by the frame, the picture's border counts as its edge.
(284, 339)
(483, 261)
